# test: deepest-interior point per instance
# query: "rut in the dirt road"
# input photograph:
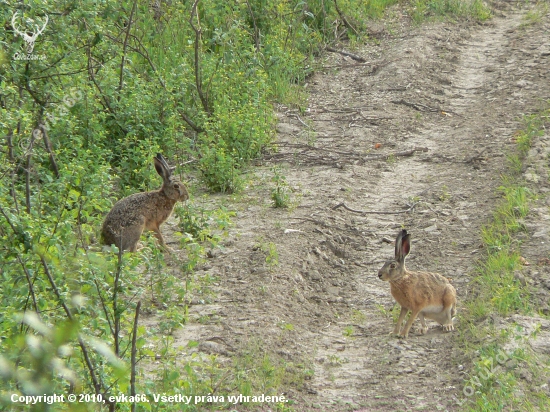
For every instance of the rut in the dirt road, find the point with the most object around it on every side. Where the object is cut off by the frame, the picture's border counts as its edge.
(456, 90)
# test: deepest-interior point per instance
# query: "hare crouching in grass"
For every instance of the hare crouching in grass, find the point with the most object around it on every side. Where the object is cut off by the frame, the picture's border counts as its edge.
(130, 216)
(426, 295)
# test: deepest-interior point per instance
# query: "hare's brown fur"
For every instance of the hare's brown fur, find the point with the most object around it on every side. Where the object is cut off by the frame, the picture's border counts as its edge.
(426, 295)
(130, 216)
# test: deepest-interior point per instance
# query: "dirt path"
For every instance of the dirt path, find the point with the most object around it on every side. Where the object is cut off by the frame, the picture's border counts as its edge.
(457, 90)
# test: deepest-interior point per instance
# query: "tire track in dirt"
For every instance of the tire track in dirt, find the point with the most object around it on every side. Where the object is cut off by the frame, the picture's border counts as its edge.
(325, 284)
(419, 372)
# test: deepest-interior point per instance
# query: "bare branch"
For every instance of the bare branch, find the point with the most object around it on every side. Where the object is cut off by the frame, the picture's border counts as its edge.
(344, 20)
(198, 77)
(29, 281)
(116, 312)
(124, 48)
(93, 377)
(372, 212)
(28, 174)
(133, 356)
(48, 145)
(9, 142)
(256, 30)
(343, 53)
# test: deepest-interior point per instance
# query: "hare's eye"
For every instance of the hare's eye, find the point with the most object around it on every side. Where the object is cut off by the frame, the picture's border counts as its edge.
(176, 186)
(393, 266)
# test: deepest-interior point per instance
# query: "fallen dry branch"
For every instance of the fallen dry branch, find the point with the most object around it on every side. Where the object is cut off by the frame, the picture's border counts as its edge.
(372, 212)
(338, 109)
(307, 154)
(405, 153)
(309, 219)
(348, 115)
(344, 66)
(305, 146)
(423, 108)
(417, 106)
(344, 19)
(478, 157)
(343, 53)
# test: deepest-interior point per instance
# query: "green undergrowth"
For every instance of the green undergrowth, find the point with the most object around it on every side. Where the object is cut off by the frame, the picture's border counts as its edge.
(250, 372)
(113, 83)
(422, 10)
(498, 375)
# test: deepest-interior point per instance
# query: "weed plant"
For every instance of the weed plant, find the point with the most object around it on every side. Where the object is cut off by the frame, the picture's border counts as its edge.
(498, 290)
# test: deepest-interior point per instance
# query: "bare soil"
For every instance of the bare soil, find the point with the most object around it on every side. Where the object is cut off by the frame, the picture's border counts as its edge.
(452, 93)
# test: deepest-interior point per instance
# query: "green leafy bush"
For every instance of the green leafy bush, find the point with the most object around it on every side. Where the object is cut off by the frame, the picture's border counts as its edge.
(119, 82)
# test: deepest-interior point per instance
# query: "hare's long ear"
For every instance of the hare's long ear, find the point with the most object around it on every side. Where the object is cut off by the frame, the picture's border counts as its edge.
(162, 167)
(405, 247)
(166, 165)
(402, 246)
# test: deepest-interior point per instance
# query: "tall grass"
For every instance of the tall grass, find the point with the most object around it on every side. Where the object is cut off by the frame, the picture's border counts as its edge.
(499, 290)
(437, 9)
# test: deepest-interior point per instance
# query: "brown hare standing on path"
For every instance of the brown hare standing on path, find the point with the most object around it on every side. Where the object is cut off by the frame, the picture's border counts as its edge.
(425, 294)
(130, 216)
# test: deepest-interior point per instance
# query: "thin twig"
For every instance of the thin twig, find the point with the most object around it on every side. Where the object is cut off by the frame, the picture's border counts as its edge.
(188, 162)
(133, 357)
(29, 281)
(48, 146)
(372, 212)
(476, 157)
(346, 156)
(50, 76)
(353, 56)
(102, 300)
(116, 312)
(301, 121)
(344, 66)
(422, 107)
(104, 100)
(83, 348)
(256, 30)
(405, 153)
(28, 174)
(417, 106)
(9, 142)
(120, 82)
(190, 122)
(309, 219)
(41, 103)
(198, 78)
(16, 232)
(343, 17)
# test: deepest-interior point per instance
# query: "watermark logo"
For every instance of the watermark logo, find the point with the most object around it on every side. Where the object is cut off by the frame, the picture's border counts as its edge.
(487, 370)
(28, 38)
(68, 101)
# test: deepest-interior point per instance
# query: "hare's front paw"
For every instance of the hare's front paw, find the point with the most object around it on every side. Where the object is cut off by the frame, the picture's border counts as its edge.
(423, 330)
(449, 327)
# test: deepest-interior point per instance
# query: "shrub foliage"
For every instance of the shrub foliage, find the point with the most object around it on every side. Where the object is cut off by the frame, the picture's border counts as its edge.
(109, 84)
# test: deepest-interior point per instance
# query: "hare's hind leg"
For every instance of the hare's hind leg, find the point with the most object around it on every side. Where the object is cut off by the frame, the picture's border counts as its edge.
(399, 323)
(448, 320)
(449, 310)
(130, 235)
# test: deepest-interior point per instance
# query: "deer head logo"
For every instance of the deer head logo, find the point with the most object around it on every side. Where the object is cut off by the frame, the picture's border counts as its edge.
(29, 39)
